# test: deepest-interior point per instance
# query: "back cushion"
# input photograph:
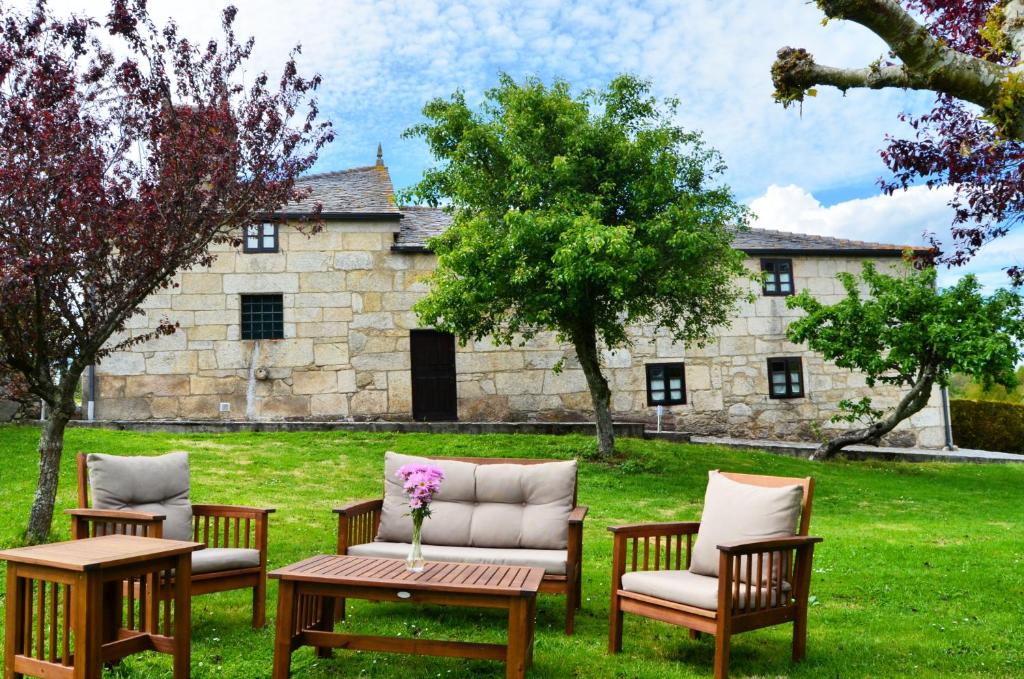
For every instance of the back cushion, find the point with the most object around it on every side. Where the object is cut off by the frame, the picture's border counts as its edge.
(739, 512)
(485, 505)
(158, 485)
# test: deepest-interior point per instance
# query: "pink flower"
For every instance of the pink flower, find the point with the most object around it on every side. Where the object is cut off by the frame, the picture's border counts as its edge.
(420, 482)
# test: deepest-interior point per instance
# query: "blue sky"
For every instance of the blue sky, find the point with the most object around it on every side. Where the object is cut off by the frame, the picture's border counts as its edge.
(812, 170)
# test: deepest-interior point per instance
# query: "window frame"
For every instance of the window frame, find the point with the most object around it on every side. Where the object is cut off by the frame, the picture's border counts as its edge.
(667, 401)
(261, 248)
(767, 262)
(277, 324)
(788, 362)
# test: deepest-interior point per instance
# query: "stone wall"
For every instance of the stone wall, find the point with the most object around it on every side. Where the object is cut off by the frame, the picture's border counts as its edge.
(347, 304)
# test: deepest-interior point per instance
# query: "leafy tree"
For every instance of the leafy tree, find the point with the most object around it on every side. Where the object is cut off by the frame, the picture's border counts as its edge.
(125, 150)
(581, 215)
(969, 53)
(907, 333)
(962, 386)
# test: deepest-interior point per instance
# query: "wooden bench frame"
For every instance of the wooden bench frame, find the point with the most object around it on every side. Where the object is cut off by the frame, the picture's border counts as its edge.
(667, 546)
(358, 523)
(212, 525)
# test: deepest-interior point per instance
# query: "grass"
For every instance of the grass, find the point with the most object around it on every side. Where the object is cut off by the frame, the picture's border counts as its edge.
(921, 573)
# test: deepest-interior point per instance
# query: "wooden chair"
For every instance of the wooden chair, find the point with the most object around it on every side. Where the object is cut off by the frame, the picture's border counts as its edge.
(216, 526)
(667, 546)
(358, 523)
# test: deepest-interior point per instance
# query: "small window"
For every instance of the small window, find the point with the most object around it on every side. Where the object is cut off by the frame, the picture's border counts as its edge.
(262, 317)
(260, 238)
(785, 377)
(666, 384)
(778, 277)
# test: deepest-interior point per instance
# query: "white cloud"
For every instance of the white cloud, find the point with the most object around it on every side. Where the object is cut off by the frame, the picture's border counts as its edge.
(383, 59)
(901, 218)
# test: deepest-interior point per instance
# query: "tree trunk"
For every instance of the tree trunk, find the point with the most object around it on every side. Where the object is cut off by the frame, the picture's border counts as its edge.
(51, 446)
(912, 402)
(585, 343)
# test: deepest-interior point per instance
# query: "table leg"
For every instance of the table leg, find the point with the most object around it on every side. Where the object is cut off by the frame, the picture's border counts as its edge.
(325, 624)
(112, 612)
(531, 622)
(15, 614)
(284, 629)
(183, 617)
(88, 613)
(518, 637)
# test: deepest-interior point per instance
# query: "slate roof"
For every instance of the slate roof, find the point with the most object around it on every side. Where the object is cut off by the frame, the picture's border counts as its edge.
(768, 241)
(361, 191)
(419, 224)
(366, 192)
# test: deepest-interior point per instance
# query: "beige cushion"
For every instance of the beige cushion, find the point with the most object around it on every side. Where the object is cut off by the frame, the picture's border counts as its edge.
(688, 588)
(740, 512)
(158, 485)
(551, 560)
(500, 505)
(214, 559)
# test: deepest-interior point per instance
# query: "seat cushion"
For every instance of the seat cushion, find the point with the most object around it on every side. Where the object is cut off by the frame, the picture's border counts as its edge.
(503, 506)
(214, 559)
(740, 512)
(551, 560)
(158, 485)
(688, 588)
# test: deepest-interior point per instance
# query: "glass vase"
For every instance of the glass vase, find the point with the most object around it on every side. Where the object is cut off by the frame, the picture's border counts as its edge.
(415, 562)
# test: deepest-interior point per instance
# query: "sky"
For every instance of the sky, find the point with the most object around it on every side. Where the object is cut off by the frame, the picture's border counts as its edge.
(812, 169)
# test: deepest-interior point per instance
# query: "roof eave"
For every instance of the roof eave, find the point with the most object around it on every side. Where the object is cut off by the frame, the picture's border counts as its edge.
(412, 249)
(341, 216)
(834, 252)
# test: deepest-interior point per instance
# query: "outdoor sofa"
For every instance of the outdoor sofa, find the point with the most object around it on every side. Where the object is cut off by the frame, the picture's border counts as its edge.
(516, 512)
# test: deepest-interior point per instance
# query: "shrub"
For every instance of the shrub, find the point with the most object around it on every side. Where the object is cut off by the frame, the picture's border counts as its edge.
(988, 425)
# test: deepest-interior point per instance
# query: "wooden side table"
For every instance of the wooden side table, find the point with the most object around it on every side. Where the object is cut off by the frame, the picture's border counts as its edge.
(73, 606)
(309, 589)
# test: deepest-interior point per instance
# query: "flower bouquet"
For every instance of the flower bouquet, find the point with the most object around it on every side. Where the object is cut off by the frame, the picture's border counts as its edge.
(421, 482)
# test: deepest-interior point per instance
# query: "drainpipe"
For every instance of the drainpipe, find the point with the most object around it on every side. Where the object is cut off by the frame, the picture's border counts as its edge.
(90, 401)
(947, 420)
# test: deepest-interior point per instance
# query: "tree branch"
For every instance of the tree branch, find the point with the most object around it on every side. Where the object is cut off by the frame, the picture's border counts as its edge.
(928, 63)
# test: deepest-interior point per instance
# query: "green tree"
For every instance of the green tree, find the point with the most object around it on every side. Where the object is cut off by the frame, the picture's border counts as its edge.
(583, 215)
(962, 386)
(908, 333)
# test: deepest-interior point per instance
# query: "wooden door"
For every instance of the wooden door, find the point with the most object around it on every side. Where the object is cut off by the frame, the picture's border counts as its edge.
(433, 375)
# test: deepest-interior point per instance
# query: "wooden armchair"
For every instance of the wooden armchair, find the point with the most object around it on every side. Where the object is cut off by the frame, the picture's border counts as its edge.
(235, 539)
(737, 601)
(359, 523)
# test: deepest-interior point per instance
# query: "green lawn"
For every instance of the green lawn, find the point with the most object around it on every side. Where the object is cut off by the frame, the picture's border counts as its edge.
(921, 573)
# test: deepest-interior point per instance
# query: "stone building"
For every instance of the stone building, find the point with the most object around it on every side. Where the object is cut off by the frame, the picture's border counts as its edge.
(292, 326)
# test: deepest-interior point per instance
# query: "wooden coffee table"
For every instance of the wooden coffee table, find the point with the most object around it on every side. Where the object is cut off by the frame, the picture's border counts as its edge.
(309, 590)
(78, 590)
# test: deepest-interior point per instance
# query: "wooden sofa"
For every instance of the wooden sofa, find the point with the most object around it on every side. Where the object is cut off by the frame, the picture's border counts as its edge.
(235, 538)
(523, 512)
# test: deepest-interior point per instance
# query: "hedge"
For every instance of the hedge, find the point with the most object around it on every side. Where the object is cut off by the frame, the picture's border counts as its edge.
(988, 425)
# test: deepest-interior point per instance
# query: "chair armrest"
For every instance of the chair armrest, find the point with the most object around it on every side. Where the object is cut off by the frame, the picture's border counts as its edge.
(114, 515)
(655, 529)
(769, 545)
(231, 511)
(578, 513)
(651, 546)
(358, 523)
(85, 522)
(746, 588)
(360, 507)
(232, 526)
